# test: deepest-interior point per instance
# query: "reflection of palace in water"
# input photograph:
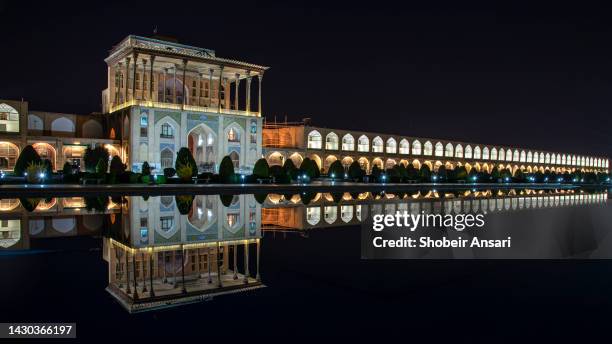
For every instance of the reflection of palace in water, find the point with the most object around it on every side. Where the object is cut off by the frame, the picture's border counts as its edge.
(288, 212)
(171, 250)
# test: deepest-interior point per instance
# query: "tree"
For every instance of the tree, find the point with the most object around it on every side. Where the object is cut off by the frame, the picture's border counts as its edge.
(473, 176)
(461, 173)
(411, 172)
(261, 169)
(425, 173)
(67, 169)
(309, 167)
(146, 169)
(28, 156)
(226, 170)
(355, 172)
(495, 175)
(290, 169)
(336, 170)
(102, 166)
(93, 156)
(376, 172)
(117, 167)
(442, 173)
(185, 158)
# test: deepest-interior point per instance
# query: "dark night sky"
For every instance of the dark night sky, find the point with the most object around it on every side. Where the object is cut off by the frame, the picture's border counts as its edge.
(538, 77)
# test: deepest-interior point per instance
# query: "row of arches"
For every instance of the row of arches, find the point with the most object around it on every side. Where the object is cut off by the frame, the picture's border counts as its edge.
(392, 146)
(277, 158)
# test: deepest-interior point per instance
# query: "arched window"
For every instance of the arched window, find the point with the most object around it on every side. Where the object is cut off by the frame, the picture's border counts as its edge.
(553, 159)
(8, 155)
(93, 129)
(346, 213)
(9, 119)
(167, 132)
(35, 123)
(558, 160)
(449, 151)
(493, 153)
(348, 143)
(477, 152)
(458, 151)
(167, 158)
(529, 156)
(416, 147)
(313, 215)
(523, 157)
(468, 152)
(439, 151)
(515, 156)
(364, 144)
(563, 159)
(331, 141)
(541, 158)
(314, 140)
(62, 124)
(377, 145)
(502, 154)
(391, 146)
(428, 148)
(404, 148)
(485, 153)
(233, 135)
(330, 214)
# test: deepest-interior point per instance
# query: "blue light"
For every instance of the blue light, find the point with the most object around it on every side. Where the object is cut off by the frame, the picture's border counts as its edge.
(345, 175)
(41, 175)
(333, 175)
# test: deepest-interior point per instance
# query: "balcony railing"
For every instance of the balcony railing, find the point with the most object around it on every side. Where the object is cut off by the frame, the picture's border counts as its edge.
(185, 107)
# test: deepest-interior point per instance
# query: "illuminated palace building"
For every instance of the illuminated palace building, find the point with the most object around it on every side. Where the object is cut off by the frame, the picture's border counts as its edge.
(161, 96)
(297, 141)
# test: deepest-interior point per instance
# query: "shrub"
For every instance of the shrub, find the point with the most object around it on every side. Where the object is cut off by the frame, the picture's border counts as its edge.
(116, 166)
(355, 172)
(102, 166)
(336, 170)
(461, 173)
(376, 171)
(226, 170)
(185, 158)
(309, 168)
(37, 172)
(425, 173)
(411, 172)
(93, 156)
(290, 169)
(28, 155)
(184, 203)
(473, 176)
(67, 169)
(169, 172)
(185, 172)
(442, 174)
(146, 169)
(134, 177)
(393, 174)
(261, 169)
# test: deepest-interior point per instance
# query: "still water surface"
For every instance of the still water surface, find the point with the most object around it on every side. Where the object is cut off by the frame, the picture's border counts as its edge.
(175, 266)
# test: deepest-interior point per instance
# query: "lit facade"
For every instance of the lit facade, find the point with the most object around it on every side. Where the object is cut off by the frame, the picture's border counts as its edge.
(325, 145)
(166, 95)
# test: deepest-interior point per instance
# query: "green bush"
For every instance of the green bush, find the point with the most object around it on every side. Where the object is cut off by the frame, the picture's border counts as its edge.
(93, 156)
(185, 172)
(355, 172)
(102, 166)
(290, 169)
(261, 169)
(310, 168)
(376, 172)
(146, 169)
(425, 174)
(27, 156)
(411, 173)
(336, 170)
(461, 173)
(169, 172)
(226, 170)
(67, 169)
(442, 174)
(185, 158)
(117, 166)
(134, 177)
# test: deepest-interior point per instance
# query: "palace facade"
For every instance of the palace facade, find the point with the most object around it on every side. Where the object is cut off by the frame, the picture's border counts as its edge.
(297, 141)
(162, 95)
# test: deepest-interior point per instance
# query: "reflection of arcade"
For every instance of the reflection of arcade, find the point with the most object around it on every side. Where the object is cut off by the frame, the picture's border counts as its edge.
(159, 257)
(285, 213)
